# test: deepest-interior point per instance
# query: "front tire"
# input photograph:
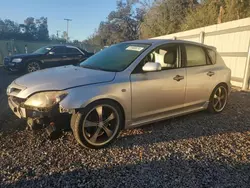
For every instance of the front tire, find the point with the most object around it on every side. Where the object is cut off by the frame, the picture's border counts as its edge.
(97, 125)
(33, 66)
(218, 99)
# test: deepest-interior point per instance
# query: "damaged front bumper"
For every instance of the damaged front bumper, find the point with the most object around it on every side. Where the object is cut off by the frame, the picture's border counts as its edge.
(56, 116)
(24, 112)
(15, 107)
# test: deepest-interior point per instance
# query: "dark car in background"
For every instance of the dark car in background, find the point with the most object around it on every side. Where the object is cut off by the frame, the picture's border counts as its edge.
(46, 57)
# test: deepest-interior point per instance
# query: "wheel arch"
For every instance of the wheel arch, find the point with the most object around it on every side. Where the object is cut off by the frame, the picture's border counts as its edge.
(26, 62)
(210, 105)
(221, 83)
(224, 84)
(107, 99)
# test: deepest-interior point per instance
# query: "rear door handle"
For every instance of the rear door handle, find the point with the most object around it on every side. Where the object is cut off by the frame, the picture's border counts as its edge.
(64, 56)
(210, 73)
(178, 78)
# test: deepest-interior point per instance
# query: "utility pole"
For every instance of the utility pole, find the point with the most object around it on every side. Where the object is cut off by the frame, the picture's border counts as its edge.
(68, 20)
(57, 33)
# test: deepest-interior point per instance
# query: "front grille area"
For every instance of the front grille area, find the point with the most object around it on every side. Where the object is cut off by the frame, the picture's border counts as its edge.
(16, 100)
(6, 61)
(15, 90)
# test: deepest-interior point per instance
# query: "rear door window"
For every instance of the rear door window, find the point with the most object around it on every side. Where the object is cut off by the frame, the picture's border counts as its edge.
(195, 56)
(58, 50)
(72, 51)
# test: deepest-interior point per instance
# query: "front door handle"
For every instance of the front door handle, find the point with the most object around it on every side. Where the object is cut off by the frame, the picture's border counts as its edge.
(178, 78)
(64, 56)
(210, 73)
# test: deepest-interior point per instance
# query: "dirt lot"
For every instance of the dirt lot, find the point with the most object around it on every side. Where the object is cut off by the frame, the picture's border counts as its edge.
(198, 150)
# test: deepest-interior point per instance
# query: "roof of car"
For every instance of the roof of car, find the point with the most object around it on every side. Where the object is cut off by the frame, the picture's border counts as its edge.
(163, 41)
(59, 45)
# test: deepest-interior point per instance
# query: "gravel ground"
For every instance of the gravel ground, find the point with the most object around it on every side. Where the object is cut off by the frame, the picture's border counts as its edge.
(197, 150)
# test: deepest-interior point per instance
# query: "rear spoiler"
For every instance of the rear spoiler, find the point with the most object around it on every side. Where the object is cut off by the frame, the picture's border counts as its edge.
(212, 47)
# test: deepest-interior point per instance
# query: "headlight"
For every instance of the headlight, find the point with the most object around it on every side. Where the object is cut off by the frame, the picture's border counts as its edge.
(17, 60)
(46, 99)
(8, 90)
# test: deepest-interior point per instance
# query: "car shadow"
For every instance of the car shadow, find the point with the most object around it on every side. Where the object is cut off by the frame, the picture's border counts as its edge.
(174, 171)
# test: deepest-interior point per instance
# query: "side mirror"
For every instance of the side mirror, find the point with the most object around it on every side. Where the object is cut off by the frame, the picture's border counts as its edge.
(151, 67)
(51, 53)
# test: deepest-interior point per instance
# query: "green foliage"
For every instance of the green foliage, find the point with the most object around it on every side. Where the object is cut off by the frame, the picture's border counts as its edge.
(203, 15)
(121, 25)
(32, 29)
(153, 18)
(216, 11)
(236, 9)
(164, 17)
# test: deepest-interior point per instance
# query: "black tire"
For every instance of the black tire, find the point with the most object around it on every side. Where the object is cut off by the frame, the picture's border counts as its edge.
(78, 119)
(212, 104)
(35, 64)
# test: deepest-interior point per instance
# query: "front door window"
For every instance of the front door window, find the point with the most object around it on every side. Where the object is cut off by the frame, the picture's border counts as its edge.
(156, 93)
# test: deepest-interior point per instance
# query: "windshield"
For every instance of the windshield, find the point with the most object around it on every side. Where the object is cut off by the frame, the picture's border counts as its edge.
(115, 58)
(42, 50)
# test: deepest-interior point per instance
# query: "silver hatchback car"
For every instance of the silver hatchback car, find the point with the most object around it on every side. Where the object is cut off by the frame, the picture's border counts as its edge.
(126, 85)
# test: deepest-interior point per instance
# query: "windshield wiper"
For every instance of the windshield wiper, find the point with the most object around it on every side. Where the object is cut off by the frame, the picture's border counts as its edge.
(96, 68)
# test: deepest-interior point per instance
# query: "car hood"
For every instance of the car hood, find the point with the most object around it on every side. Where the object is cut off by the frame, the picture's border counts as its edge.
(61, 78)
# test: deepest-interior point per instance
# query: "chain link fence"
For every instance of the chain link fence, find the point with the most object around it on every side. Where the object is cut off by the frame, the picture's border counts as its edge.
(11, 47)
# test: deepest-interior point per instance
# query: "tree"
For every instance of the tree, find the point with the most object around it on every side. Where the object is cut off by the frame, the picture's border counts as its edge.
(165, 17)
(121, 25)
(216, 11)
(124, 21)
(8, 29)
(203, 15)
(236, 9)
(42, 29)
(31, 29)
(135, 19)
(95, 40)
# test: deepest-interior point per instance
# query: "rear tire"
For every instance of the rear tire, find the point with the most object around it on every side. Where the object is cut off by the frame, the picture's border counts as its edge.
(218, 99)
(97, 125)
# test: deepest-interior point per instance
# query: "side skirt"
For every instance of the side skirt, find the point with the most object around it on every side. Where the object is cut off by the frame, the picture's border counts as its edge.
(169, 115)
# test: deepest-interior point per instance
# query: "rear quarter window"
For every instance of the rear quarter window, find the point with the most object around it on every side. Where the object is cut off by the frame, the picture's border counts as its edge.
(212, 55)
(58, 50)
(72, 51)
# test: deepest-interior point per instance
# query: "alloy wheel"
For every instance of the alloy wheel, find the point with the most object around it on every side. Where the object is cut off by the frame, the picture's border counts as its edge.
(33, 66)
(220, 99)
(100, 125)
